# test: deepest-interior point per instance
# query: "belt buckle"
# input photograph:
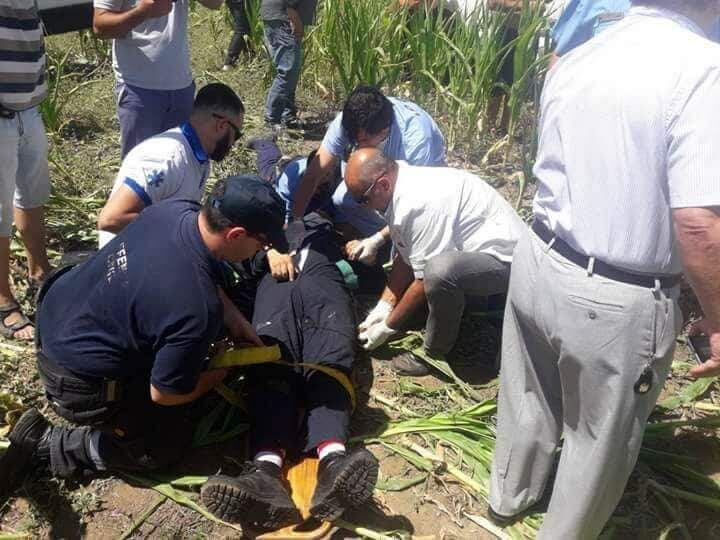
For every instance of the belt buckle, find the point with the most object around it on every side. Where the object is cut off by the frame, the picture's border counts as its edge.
(112, 390)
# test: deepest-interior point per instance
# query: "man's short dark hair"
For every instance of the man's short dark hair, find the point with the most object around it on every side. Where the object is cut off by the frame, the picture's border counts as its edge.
(367, 109)
(218, 98)
(216, 221)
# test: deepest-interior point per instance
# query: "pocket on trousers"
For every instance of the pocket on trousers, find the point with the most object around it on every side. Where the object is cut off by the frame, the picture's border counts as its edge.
(594, 303)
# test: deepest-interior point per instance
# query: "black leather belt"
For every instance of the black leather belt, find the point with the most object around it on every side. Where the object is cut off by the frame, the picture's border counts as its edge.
(61, 379)
(599, 267)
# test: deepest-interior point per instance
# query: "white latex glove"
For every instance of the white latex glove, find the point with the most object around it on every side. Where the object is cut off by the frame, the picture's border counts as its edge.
(366, 250)
(375, 336)
(378, 313)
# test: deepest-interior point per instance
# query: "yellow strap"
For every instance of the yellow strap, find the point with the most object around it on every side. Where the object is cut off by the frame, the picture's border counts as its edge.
(252, 356)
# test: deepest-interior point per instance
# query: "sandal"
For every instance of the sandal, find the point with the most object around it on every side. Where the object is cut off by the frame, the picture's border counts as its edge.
(9, 330)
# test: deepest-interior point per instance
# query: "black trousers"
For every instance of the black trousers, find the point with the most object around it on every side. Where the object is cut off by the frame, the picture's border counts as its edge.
(127, 430)
(241, 29)
(312, 319)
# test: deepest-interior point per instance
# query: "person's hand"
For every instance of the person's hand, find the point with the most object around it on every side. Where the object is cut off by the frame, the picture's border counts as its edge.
(243, 333)
(381, 310)
(282, 266)
(365, 250)
(711, 366)
(153, 9)
(375, 336)
(296, 24)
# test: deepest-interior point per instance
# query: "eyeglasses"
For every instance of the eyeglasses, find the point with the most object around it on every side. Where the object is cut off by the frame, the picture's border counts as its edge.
(363, 199)
(238, 132)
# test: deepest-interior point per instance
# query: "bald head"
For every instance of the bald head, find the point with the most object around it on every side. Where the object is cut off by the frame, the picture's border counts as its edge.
(364, 167)
(370, 177)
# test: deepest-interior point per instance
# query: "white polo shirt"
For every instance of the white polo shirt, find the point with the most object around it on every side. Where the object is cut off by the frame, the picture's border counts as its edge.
(171, 165)
(439, 209)
(629, 130)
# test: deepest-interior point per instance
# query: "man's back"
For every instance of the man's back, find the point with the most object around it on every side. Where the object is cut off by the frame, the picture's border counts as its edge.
(434, 210)
(620, 119)
(149, 290)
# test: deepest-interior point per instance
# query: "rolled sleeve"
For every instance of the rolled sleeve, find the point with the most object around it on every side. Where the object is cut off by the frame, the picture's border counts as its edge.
(111, 5)
(693, 164)
(336, 139)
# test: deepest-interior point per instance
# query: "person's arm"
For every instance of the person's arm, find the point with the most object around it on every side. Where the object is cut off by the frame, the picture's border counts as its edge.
(239, 327)
(697, 231)
(296, 24)
(412, 300)
(110, 24)
(123, 207)
(365, 250)
(212, 4)
(319, 170)
(206, 382)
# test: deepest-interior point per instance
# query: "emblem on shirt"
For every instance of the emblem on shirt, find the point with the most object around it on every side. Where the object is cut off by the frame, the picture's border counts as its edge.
(155, 178)
(116, 262)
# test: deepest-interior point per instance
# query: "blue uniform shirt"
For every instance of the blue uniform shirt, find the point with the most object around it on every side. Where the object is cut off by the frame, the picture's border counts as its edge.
(145, 304)
(581, 20)
(414, 136)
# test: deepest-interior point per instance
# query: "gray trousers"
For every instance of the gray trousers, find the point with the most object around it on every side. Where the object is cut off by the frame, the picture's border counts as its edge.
(448, 278)
(573, 347)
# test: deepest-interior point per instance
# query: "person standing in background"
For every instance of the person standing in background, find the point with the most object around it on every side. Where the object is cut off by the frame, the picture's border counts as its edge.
(285, 22)
(23, 154)
(241, 31)
(151, 60)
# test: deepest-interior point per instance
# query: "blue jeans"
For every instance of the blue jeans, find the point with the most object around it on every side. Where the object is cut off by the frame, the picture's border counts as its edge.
(286, 54)
(143, 113)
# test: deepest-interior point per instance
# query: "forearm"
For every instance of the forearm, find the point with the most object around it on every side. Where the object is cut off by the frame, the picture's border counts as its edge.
(116, 223)
(239, 327)
(206, 382)
(317, 172)
(411, 301)
(698, 235)
(400, 278)
(112, 24)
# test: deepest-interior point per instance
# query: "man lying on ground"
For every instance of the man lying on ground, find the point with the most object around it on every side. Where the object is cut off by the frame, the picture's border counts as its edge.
(313, 321)
(454, 236)
(123, 338)
(174, 164)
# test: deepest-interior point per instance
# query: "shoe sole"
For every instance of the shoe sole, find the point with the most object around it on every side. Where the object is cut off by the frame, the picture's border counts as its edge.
(233, 504)
(352, 487)
(18, 454)
(25, 425)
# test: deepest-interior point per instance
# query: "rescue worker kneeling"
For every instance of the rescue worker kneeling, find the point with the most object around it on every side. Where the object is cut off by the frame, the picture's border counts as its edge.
(312, 320)
(124, 337)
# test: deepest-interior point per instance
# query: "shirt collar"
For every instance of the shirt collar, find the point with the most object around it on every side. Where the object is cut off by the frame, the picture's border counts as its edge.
(194, 142)
(682, 20)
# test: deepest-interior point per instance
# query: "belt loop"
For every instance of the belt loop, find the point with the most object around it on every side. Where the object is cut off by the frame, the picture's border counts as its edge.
(551, 242)
(658, 285)
(590, 266)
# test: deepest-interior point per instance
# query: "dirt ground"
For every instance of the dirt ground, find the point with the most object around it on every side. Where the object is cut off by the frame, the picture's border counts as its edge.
(85, 157)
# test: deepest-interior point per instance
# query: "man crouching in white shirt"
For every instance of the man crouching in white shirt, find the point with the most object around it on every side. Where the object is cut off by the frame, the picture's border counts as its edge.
(454, 236)
(176, 163)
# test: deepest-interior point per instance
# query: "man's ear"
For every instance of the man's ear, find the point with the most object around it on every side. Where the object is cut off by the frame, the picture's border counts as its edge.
(235, 233)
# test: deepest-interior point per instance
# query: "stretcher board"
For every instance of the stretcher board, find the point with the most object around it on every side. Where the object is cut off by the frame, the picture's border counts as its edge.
(302, 479)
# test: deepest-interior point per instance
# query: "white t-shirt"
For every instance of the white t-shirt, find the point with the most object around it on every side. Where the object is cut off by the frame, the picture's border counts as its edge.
(629, 131)
(155, 54)
(171, 165)
(439, 209)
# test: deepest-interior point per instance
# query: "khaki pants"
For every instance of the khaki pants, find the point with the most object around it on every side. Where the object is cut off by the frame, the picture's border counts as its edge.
(574, 345)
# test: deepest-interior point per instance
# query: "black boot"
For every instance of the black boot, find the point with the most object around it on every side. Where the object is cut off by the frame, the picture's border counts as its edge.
(256, 497)
(344, 481)
(29, 447)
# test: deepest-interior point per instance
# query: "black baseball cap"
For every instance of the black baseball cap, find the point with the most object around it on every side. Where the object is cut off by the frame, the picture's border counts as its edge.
(252, 203)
